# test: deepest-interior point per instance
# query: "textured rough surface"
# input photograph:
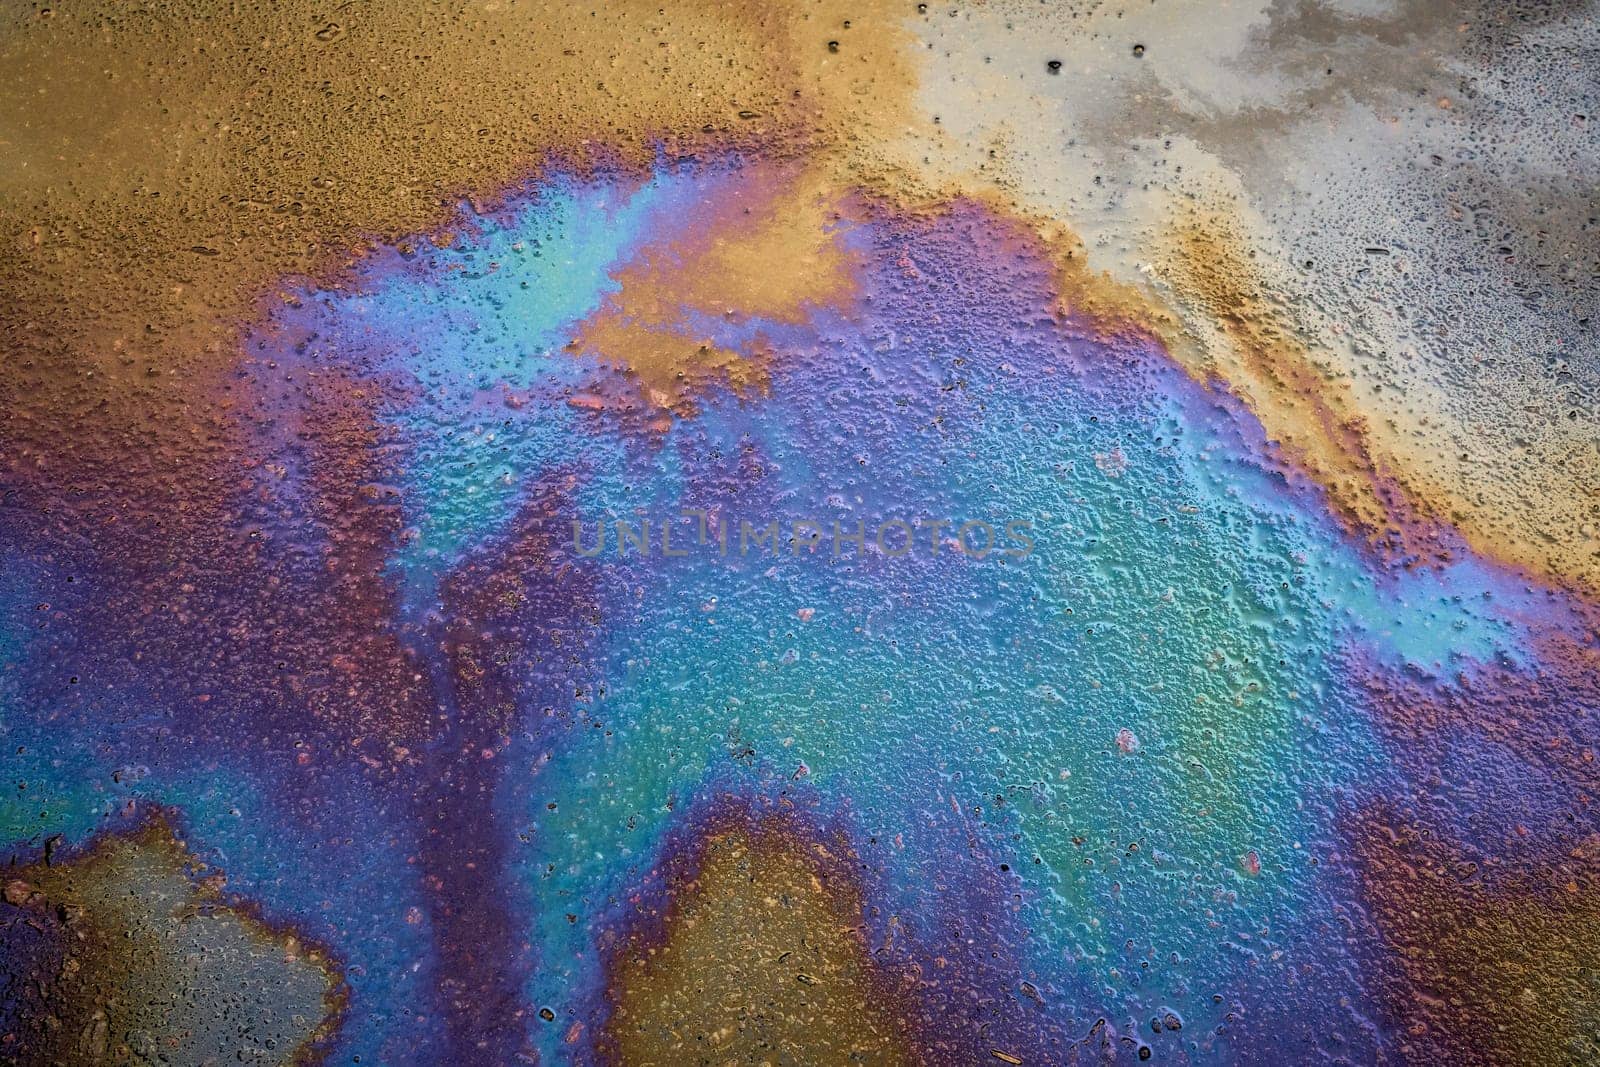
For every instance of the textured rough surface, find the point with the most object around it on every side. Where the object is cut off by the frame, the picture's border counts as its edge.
(799, 533)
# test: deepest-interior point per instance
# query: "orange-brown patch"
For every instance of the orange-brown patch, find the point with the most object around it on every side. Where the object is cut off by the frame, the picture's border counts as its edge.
(762, 959)
(765, 250)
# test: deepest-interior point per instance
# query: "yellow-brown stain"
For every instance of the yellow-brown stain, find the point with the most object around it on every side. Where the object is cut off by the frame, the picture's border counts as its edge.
(762, 961)
(148, 957)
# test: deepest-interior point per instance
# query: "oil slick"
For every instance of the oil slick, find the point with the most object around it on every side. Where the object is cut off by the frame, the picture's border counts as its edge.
(1277, 738)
